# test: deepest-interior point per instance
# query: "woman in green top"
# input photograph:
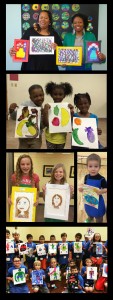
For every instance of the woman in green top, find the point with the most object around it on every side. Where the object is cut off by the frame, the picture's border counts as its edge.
(78, 38)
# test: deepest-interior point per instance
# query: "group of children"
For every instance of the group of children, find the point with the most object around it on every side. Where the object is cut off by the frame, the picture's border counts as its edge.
(58, 92)
(70, 265)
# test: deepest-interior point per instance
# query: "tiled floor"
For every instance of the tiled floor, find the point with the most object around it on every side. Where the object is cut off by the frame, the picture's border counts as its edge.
(12, 142)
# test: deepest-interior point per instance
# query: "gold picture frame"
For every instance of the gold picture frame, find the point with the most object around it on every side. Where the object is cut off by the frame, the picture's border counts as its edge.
(69, 56)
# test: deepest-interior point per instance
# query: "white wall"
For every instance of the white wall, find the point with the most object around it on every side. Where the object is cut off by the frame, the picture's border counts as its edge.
(94, 84)
(13, 31)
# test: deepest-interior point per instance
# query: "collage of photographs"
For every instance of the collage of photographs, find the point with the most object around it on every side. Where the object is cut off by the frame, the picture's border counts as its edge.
(56, 149)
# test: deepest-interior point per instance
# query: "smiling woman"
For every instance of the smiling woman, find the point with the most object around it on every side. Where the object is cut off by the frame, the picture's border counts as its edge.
(43, 28)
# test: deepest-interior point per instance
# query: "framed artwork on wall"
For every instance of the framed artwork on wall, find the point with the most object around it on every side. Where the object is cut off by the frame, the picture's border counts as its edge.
(47, 169)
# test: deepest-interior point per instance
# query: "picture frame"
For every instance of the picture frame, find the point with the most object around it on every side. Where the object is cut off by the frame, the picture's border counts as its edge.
(57, 200)
(71, 175)
(92, 49)
(41, 45)
(22, 208)
(71, 56)
(28, 122)
(22, 50)
(47, 169)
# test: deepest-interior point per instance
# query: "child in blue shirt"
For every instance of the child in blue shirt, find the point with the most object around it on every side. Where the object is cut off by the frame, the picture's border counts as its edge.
(18, 288)
(39, 272)
(85, 247)
(75, 282)
(52, 255)
(77, 256)
(64, 258)
(30, 258)
(88, 283)
(43, 258)
(53, 264)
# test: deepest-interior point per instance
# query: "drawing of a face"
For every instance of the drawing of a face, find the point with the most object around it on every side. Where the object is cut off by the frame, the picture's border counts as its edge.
(56, 201)
(23, 204)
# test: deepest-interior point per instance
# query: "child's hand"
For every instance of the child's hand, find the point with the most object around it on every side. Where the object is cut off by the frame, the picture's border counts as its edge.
(99, 130)
(101, 56)
(54, 45)
(47, 107)
(71, 189)
(36, 203)
(12, 107)
(44, 188)
(71, 107)
(12, 51)
(80, 189)
(9, 201)
(99, 192)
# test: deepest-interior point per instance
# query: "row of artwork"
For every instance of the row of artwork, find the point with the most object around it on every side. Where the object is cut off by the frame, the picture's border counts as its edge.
(57, 199)
(84, 133)
(42, 45)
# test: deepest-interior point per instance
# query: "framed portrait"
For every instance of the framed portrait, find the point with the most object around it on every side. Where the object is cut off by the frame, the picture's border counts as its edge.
(71, 56)
(22, 208)
(84, 133)
(19, 276)
(28, 122)
(57, 199)
(47, 169)
(92, 50)
(22, 50)
(59, 118)
(71, 175)
(41, 45)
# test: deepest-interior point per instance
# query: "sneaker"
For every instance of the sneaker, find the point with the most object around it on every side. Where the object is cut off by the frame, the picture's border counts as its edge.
(88, 221)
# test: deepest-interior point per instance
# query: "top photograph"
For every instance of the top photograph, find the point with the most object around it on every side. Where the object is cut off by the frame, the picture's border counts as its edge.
(56, 37)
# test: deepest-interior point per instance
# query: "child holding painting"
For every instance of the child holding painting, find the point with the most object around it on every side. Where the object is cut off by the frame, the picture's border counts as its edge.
(96, 180)
(58, 92)
(88, 283)
(36, 95)
(64, 251)
(24, 175)
(43, 257)
(58, 176)
(53, 265)
(40, 273)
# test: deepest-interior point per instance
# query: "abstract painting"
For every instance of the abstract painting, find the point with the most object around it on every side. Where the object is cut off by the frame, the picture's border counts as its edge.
(28, 122)
(71, 56)
(57, 199)
(90, 196)
(84, 133)
(22, 50)
(92, 50)
(59, 118)
(41, 45)
(22, 208)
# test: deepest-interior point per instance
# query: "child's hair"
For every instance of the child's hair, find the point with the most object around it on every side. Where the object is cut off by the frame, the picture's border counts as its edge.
(87, 260)
(36, 262)
(63, 234)
(42, 237)
(74, 267)
(16, 256)
(18, 172)
(52, 236)
(7, 231)
(63, 180)
(78, 235)
(26, 213)
(83, 17)
(78, 96)
(33, 87)
(65, 86)
(29, 236)
(94, 237)
(94, 156)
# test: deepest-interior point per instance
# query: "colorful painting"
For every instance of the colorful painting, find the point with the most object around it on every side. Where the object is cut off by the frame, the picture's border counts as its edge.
(105, 270)
(41, 45)
(92, 51)
(47, 169)
(57, 199)
(90, 196)
(77, 247)
(99, 248)
(19, 276)
(84, 133)
(37, 277)
(41, 249)
(59, 118)
(90, 232)
(23, 249)
(52, 248)
(54, 273)
(22, 50)
(73, 281)
(92, 273)
(9, 246)
(63, 248)
(22, 208)
(69, 56)
(28, 122)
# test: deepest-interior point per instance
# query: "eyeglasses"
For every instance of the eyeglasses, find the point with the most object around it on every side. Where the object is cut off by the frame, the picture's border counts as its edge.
(16, 260)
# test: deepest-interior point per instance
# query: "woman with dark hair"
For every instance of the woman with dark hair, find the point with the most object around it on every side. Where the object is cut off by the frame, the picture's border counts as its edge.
(78, 38)
(43, 28)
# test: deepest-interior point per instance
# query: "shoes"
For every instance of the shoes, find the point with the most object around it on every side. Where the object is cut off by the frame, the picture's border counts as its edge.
(88, 221)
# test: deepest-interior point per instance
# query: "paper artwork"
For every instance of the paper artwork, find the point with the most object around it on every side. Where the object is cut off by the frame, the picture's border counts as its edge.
(63, 248)
(19, 276)
(105, 270)
(37, 278)
(28, 122)
(22, 50)
(84, 133)
(92, 273)
(54, 273)
(9, 246)
(59, 118)
(77, 247)
(71, 56)
(41, 45)
(99, 248)
(41, 249)
(52, 248)
(90, 196)
(92, 51)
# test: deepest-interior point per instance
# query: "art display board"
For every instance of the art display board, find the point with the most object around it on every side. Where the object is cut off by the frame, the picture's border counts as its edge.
(37, 277)
(57, 199)
(22, 50)
(52, 248)
(92, 273)
(84, 133)
(77, 247)
(41, 249)
(41, 45)
(54, 273)
(71, 56)
(19, 276)
(59, 118)
(22, 208)
(9, 246)
(63, 248)
(105, 270)
(28, 122)
(90, 196)
(92, 51)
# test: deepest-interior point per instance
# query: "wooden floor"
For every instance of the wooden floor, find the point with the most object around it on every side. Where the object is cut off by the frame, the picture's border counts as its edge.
(12, 142)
